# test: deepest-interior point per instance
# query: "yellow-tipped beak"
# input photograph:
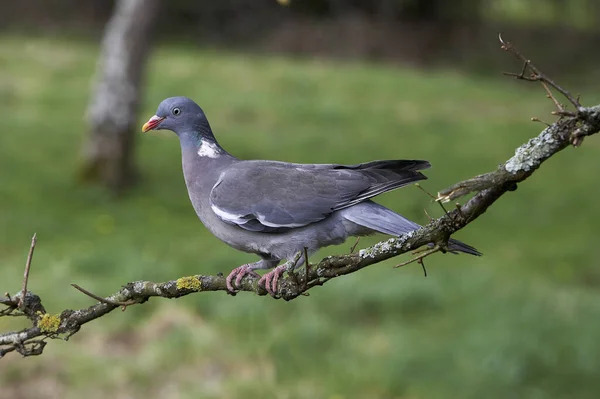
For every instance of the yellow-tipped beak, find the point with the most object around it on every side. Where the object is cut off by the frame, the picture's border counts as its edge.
(152, 123)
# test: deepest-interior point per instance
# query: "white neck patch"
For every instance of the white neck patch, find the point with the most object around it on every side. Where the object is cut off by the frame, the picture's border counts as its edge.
(208, 149)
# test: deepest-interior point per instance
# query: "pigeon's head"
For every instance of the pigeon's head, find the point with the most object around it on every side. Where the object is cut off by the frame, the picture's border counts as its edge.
(178, 114)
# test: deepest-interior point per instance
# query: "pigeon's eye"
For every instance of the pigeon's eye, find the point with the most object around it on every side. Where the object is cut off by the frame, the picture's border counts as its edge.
(176, 111)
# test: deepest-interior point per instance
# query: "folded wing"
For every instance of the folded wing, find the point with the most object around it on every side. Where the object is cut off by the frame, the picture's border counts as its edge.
(274, 197)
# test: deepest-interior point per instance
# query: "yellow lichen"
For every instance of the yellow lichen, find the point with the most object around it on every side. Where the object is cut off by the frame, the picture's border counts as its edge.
(189, 283)
(49, 323)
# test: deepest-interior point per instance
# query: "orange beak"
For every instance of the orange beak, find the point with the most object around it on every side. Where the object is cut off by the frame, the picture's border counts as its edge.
(152, 123)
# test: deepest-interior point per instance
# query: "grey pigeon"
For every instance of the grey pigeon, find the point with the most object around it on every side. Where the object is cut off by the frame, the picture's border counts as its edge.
(276, 209)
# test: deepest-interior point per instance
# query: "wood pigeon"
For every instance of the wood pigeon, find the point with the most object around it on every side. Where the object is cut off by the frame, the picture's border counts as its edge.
(276, 209)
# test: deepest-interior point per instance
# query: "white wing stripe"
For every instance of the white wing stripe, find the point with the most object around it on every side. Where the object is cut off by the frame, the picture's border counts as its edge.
(261, 219)
(242, 219)
(229, 217)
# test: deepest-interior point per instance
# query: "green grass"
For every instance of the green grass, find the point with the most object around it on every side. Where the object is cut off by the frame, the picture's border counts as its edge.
(522, 321)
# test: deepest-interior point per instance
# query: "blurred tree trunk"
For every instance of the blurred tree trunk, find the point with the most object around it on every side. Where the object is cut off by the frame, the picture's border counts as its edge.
(112, 111)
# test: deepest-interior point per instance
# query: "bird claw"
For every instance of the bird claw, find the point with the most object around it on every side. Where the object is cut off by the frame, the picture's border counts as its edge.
(238, 273)
(270, 280)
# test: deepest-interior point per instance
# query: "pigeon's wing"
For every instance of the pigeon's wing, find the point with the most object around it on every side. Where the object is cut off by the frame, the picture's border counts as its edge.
(274, 196)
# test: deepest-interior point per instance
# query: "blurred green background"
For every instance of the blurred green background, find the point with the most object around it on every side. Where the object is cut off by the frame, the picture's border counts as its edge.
(522, 321)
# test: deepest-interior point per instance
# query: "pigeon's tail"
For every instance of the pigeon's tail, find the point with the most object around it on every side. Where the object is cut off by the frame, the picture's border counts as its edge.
(377, 217)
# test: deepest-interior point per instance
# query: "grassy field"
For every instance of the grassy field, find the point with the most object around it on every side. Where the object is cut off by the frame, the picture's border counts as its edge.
(522, 321)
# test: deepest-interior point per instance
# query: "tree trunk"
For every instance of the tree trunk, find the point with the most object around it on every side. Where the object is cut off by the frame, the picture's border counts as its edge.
(112, 111)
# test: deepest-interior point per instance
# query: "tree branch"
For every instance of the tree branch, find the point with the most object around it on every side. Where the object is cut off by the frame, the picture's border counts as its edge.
(27, 268)
(570, 129)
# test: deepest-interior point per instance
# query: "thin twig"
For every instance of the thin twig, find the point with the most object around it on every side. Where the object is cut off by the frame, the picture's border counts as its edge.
(27, 267)
(525, 65)
(10, 304)
(535, 119)
(7, 311)
(427, 213)
(432, 197)
(422, 263)
(306, 272)
(550, 95)
(420, 250)
(355, 245)
(104, 300)
(425, 254)
(537, 75)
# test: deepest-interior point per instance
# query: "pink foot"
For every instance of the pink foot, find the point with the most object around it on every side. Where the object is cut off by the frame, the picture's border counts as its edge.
(238, 273)
(271, 279)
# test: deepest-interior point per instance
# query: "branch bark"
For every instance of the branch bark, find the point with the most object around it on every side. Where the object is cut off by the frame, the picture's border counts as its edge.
(570, 129)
